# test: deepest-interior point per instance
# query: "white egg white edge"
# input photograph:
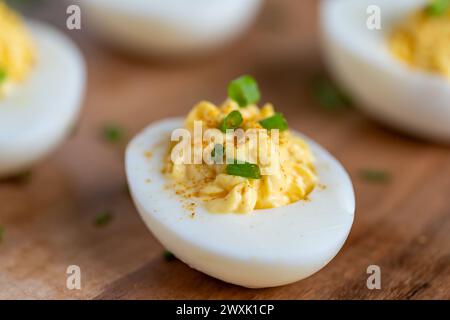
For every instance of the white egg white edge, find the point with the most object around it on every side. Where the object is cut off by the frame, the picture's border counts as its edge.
(413, 100)
(170, 28)
(264, 248)
(40, 112)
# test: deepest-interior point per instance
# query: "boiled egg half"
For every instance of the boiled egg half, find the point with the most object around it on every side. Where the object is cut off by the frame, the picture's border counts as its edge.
(170, 27)
(360, 56)
(39, 102)
(262, 248)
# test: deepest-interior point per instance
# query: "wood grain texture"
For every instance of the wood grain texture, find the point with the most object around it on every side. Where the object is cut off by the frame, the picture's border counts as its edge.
(403, 226)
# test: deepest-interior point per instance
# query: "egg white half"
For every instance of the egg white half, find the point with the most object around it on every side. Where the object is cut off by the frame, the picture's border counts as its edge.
(173, 27)
(409, 99)
(264, 248)
(38, 113)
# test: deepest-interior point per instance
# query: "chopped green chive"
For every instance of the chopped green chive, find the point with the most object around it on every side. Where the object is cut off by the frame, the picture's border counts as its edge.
(372, 175)
(232, 121)
(169, 256)
(244, 91)
(246, 170)
(2, 233)
(438, 7)
(277, 121)
(217, 153)
(103, 218)
(113, 133)
(328, 95)
(3, 75)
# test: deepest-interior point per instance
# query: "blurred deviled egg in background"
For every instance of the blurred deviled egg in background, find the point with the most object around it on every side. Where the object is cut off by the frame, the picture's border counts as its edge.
(170, 27)
(400, 72)
(42, 78)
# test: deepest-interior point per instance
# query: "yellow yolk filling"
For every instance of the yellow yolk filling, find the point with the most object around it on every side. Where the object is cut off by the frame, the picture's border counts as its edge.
(291, 179)
(423, 41)
(16, 49)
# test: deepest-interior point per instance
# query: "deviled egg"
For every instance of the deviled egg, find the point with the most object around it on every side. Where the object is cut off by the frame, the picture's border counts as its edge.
(399, 70)
(236, 194)
(174, 27)
(42, 77)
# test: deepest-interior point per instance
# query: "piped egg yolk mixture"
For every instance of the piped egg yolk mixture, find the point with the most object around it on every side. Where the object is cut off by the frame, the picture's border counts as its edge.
(16, 49)
(423, 40)
(288, 176)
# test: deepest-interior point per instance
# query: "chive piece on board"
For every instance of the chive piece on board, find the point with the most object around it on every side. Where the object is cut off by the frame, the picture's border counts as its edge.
(113, 133)
(328, 95)
(232, 121)
(2, 233)
(244, 90)
(103, 218)
(373, 175)
(277, 121)
(246, 170)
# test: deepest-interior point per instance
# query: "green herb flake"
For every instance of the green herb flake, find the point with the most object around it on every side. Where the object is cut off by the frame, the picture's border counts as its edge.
(373, 175)
(113, 133)
(103, 218)
(246, 170)
(2, 233)
(217, 153)
(3, 75)
(169, 256)
(328, 95)
(277, 121)
(438, 7)
(232, 121)
(244, 90)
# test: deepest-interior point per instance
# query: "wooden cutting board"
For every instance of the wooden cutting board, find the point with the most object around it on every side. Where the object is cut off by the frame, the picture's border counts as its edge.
(402, 225)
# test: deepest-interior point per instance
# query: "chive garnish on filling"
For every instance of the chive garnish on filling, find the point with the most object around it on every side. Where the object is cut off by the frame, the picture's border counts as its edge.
(3, 75)
(246, 170)
(244, 90)
(277, 121)
(438, 7)
(232, 121)
(217, 153)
